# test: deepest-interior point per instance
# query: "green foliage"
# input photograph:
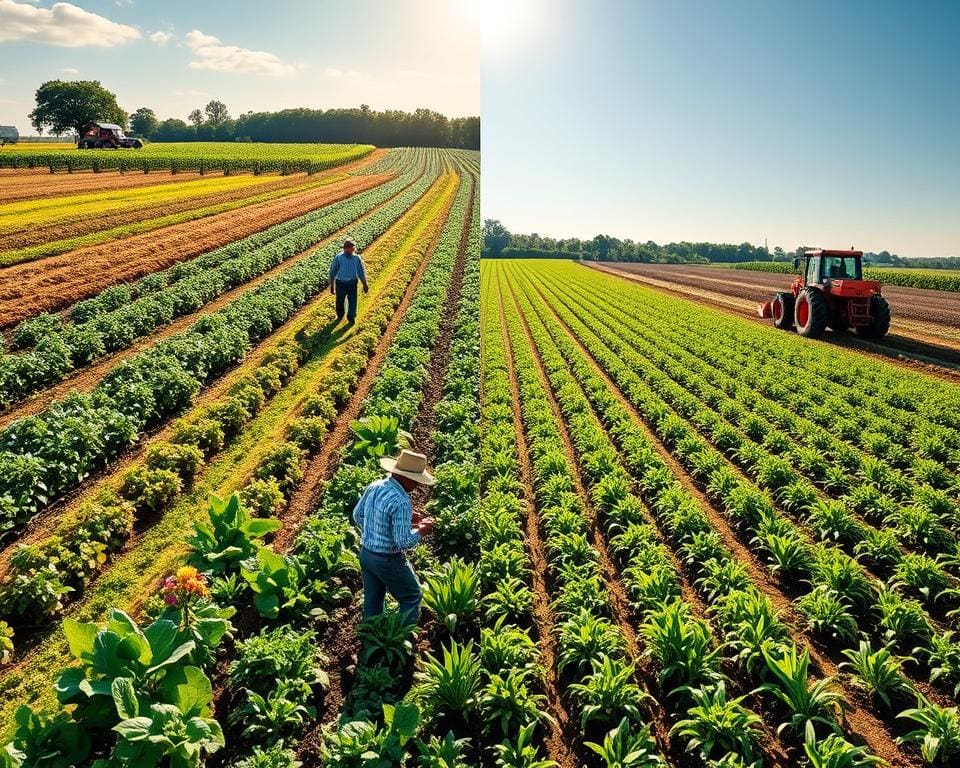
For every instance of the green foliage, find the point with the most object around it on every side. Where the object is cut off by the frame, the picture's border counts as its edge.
(279, 583)
(229, 537)
(836, 752)
(938, 733)
(376, 436)
(878, 672)
(452, 595)
(628, 746)
(717, 725)
(450, 684)
(609, 692)
(387, 638)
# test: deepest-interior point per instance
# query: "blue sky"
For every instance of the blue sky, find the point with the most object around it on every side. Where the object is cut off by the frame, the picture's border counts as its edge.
(815, 123)
(175, 55)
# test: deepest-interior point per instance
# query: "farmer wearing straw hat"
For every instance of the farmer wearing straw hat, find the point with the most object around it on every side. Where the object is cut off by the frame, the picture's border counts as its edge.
(385, 518)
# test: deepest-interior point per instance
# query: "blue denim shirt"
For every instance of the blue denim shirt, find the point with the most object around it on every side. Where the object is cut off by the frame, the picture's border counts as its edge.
(347, 268)
(385, 518)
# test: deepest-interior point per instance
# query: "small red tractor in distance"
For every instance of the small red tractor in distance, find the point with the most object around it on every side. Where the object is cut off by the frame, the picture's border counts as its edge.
(830, 293)
(106, 136)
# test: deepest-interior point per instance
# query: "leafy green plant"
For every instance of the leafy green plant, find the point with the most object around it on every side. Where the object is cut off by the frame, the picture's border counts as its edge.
(276, 756)
(836, 752)
(942, 654)
(809, 703)
(448, 752)
(387, 638)
(608, 692)
(450, 684)
(181, 730)
(452, 594)
(827, 614)
(716, 725)
(682, 646)
(585, 638)
(278, 714)
(151, 490)
(6, 643)
(262, 497)
(279, 654)
(376, 436)
(506, 702)
(230, 536)
(509, 599)
(521, 752)
(52, 741)
(628, 745)
(878, 672)
(504, 646)
(279, 584)
(938, 734)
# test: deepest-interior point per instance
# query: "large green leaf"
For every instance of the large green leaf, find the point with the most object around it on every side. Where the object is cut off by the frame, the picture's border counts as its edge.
(404, 719)
(105, 660)
(135, 728)
(267, 605)
(175, 655)
(125, 698)
(162, 636)
(261, 526)
(80, 636)
(68, 685)
(189, 689)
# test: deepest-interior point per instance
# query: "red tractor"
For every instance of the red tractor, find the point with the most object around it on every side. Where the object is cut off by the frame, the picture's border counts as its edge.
(830, 293)
(106, 136)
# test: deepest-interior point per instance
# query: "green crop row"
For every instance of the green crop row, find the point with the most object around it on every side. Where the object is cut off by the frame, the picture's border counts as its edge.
(908, 278)
(203, 156)
(43, 456)
(743, 505)
(54, 346)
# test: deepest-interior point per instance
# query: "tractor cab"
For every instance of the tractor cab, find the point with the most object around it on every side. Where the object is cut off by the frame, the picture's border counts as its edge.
(830, 292)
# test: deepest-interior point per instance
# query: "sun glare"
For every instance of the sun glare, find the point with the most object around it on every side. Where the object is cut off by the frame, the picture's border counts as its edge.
(501, 23)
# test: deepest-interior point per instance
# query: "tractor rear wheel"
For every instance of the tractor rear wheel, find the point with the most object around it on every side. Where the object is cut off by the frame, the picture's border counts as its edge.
(879, 319)
(810, 313)
(782, 310)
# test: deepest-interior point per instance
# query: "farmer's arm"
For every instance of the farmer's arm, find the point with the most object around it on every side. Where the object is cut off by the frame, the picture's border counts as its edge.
(362, 272)
(359, 510)
(334, 268)
(403, 534)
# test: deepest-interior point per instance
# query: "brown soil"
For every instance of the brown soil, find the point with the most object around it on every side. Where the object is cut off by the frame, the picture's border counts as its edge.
(50, 284)
(862, 722)
(925, 332)
(87, 378)
(39, 183)
(65, 228)
(559, 746)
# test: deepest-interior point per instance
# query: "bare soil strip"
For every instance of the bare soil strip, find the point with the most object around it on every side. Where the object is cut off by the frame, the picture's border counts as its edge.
(39, 183)
(934, 355)
(556, 741)
(50, 284)
(861, 721)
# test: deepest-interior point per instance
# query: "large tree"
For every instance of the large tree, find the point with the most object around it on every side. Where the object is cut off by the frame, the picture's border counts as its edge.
(70, 105)
(196, 118)
(216, 112)
(496, 237)
(144, 122)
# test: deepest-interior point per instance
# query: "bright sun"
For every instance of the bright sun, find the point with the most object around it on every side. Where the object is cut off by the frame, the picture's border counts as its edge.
(501, 22)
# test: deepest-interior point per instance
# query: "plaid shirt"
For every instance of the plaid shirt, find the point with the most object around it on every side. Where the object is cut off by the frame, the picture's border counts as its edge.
(385, 518)
(347, 268)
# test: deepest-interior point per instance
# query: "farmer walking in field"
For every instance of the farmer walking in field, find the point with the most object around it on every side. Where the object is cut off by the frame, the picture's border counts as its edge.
(384, 515)
(345, 271)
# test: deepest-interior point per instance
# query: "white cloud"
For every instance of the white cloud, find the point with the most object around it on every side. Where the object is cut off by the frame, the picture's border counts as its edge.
(62, 24)
(71, 71)
(161, 38)
(213, 55)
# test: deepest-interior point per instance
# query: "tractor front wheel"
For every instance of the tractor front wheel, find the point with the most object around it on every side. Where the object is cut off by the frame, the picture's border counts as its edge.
(782, 310)
(879, 319)
(810, 313)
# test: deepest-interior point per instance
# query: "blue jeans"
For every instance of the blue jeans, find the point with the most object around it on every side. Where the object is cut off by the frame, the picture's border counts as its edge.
(346, 290)
(393, 574)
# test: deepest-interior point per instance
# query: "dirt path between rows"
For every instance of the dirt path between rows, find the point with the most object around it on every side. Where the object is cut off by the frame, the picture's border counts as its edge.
(53, 283)
(915, 344)
(862, 722)
(39, 184)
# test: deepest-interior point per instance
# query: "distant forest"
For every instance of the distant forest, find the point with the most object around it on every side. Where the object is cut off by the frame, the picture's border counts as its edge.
(499, 242)
(391, 128)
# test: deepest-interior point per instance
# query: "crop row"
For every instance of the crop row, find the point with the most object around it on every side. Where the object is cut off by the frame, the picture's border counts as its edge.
(756, 640)
(834, 580)
(43, 575)
(296, 589)
(55, 346)
(226, 157)
(907, 278)
(45, 455)
(854, 601)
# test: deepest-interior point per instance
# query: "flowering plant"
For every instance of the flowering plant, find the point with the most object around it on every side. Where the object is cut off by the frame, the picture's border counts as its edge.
(184, 589)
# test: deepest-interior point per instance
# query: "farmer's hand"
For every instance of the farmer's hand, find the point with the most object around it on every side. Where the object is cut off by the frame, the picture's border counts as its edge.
(425, 527)
(366, 288)
(331, 289)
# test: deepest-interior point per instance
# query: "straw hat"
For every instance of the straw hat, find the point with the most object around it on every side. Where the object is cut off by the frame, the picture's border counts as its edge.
(409, 464)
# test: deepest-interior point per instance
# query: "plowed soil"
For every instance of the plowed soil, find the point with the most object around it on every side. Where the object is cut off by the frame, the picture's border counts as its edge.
(39, 183)
(78, 227)
(925, 326)
(53, 283)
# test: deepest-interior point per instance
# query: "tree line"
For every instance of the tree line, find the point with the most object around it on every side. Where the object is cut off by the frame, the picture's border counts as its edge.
(67, 106)
(499, 242)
